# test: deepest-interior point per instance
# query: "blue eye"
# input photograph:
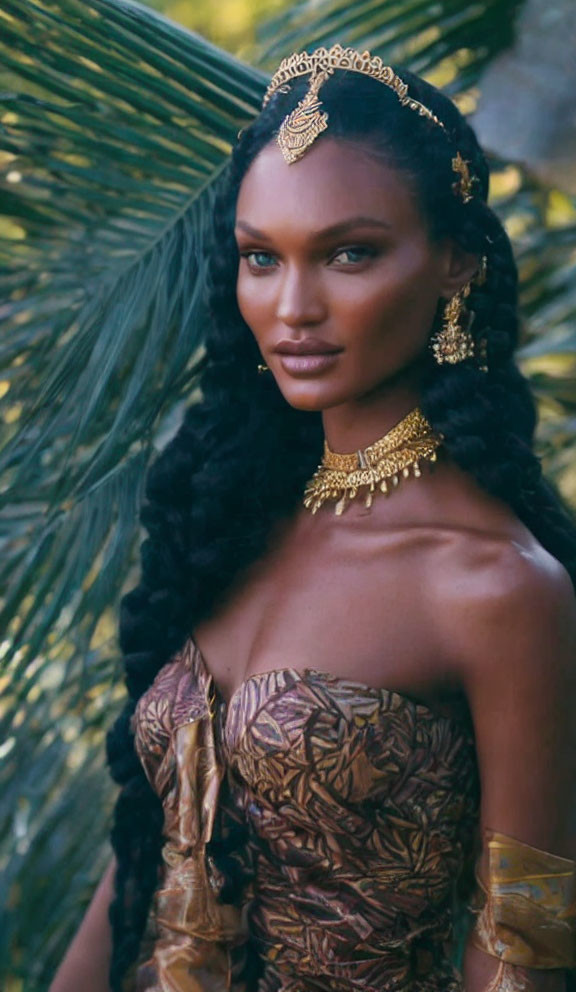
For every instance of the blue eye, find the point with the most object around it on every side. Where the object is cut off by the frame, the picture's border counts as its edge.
(263, 261)
(362, 250)
(255, 254)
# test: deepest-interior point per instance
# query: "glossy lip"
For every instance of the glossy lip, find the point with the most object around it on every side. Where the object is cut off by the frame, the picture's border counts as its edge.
(307, 346)
(308, 364)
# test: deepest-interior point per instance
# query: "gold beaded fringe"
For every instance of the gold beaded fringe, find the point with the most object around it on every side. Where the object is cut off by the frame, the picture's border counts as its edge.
(382, 464)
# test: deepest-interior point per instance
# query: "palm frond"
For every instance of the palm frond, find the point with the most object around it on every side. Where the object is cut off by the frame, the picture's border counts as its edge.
(111, 161)
(115, 131)
(421, 35)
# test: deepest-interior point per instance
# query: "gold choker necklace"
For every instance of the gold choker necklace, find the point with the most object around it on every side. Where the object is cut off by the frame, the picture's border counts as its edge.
(390, 458)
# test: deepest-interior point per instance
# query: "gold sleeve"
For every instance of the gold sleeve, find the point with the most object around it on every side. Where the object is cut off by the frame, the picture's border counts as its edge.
(525, 905)
(193, 942)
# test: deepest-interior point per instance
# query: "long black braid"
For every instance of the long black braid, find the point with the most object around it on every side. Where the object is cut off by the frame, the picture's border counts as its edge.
(242, 456)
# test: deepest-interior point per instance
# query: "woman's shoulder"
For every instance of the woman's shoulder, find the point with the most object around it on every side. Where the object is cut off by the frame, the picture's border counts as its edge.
(508, 623)
(503, 603)
(484, 577)
(492, 571)
(486, 551)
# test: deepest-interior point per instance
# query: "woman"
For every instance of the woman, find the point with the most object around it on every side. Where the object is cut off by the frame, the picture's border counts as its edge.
(335, 717)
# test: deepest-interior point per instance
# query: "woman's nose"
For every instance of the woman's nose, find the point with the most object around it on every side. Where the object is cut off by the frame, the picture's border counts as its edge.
(301, 300)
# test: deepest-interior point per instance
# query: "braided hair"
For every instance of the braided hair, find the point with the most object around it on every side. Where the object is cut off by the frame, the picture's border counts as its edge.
(216, 492)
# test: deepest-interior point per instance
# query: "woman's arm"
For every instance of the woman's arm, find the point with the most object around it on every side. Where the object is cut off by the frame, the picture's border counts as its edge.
(518, 642)
(86, 964)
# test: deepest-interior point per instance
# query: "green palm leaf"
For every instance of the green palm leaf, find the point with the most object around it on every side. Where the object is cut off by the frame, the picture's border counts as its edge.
(415, 33)
(115, 127)
(115, 131)
(119, 163)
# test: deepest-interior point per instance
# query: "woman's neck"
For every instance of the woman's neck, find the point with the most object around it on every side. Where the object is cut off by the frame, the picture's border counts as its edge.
(358, 424)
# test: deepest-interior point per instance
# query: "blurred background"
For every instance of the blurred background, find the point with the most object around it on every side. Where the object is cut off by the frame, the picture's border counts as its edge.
(116, 121)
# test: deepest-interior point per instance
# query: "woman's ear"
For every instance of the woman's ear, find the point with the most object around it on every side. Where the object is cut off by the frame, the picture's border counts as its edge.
(459, 267)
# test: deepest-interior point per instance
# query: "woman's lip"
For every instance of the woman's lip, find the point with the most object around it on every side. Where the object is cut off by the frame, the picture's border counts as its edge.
(308, 364)
(307, 346)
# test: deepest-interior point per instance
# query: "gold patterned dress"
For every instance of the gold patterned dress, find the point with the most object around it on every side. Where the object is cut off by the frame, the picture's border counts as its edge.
(316, 833)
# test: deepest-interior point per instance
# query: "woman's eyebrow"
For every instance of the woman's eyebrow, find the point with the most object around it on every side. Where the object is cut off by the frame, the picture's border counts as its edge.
(327, 232)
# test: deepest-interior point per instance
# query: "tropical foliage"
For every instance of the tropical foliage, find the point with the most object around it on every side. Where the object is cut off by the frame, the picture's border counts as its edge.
(115, 129)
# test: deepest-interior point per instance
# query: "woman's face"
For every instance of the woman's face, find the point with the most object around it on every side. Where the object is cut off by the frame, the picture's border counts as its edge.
(336, 259)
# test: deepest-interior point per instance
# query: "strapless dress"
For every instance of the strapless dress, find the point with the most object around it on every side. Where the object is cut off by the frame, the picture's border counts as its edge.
(318, 832)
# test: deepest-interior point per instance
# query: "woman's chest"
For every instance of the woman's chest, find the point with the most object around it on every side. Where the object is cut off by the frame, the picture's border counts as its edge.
(355, 609)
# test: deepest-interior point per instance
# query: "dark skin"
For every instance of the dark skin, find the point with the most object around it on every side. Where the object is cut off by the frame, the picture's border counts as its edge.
(438, 592)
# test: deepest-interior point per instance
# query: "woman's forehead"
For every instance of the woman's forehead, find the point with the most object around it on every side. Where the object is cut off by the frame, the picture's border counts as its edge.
(333, 181)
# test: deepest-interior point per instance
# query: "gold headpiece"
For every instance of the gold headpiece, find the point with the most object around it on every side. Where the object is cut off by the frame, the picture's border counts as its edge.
(303, 125)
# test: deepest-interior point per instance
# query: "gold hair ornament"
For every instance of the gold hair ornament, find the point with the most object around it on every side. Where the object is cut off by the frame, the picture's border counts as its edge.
(463, 185)
(526, 905)
(377, 468)
(301, 127)
(325, 60)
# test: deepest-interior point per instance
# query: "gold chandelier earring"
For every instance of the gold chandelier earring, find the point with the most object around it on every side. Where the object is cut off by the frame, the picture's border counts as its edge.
(454, 342)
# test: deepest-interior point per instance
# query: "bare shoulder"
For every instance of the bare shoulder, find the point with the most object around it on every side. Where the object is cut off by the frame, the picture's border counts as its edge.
(506, 612)
(503, 601)
(500, 614)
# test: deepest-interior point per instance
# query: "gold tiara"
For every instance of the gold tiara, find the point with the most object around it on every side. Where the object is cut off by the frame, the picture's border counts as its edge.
(325, 60)
(303, 125)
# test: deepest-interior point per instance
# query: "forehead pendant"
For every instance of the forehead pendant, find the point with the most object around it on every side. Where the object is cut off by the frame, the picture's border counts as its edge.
(301, 127)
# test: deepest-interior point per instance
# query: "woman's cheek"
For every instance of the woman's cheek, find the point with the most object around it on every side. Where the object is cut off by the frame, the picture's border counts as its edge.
(247, 303)
(255, 300)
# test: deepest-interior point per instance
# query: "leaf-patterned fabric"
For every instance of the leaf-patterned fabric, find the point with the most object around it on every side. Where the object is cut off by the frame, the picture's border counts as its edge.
(316, 831)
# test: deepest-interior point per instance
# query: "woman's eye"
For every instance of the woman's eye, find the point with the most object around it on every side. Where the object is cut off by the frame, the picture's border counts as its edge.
(356, 253)
(262, 261)
(257, 259)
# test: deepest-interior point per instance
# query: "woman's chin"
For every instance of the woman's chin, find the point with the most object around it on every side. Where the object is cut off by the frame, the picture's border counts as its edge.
(311, 396)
